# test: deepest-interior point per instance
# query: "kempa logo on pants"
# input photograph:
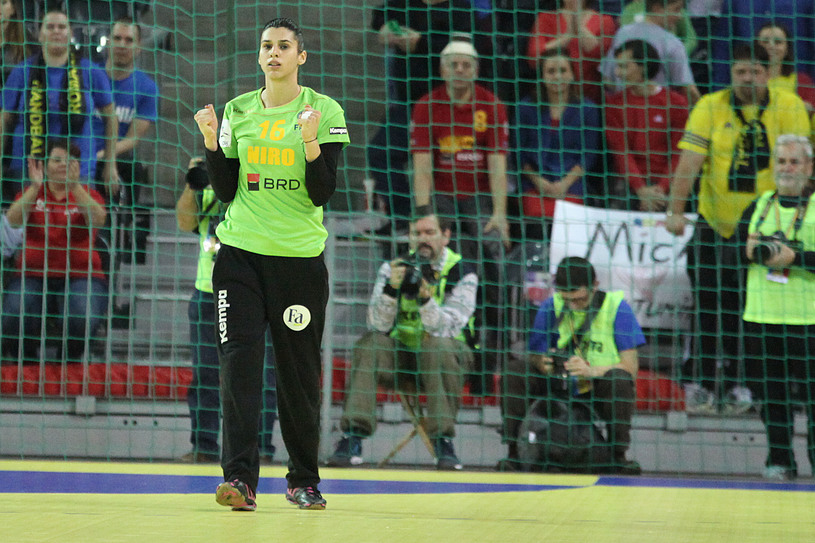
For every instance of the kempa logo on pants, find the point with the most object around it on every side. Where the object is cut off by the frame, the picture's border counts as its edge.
(222, 305)
(296, 317)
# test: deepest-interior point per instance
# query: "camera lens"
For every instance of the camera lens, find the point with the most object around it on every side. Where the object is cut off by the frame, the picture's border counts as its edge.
(765, 251)
(197, 177)
(410, 283)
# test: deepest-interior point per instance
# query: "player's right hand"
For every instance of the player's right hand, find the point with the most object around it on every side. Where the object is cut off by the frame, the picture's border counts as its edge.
(208, 125)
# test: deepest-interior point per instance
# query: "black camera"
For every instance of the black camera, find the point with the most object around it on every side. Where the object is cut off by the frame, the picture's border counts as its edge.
(559, 358)
(770, 246)
(197, 176)
(416, 269)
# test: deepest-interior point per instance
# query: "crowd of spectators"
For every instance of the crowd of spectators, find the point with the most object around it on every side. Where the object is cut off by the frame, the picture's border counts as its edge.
(693, 42)
(630, 107)
(61, 206)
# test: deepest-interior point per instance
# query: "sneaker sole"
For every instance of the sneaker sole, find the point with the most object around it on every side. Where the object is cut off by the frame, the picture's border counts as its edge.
(448, 466)
(228, 496)
(313, 507)
(344, 462)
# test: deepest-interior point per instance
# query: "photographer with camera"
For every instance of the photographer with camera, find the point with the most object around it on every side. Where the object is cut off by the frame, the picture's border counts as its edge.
(583, 348)
(420, 318)
(198, 210)
(778, 234)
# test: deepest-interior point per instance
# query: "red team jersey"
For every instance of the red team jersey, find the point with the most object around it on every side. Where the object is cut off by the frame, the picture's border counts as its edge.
(65, 246)
(460, 138)
(643, 133)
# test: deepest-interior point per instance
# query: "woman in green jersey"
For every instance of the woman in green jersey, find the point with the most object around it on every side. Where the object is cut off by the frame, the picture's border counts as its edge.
(274, 157)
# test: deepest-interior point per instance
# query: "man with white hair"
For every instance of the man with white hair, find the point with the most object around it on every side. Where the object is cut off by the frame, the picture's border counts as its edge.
(777, 232)
(459, 136)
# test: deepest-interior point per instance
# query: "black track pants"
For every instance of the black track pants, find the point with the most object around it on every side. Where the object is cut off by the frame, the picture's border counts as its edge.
(288, 294)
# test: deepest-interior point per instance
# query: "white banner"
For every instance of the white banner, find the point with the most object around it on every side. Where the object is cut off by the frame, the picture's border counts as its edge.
(631, 251)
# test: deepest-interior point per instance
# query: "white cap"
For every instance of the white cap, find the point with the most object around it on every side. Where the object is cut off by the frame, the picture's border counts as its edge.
(459, 47)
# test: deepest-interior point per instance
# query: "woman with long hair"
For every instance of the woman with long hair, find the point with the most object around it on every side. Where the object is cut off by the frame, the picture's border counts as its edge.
(558, 137)
(13, 39)
(775, 39)
(580, 30)
(56, 93)
(275, 160)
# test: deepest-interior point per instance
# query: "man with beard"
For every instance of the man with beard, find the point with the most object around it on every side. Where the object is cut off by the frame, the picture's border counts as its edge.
(777, 234)
(420, 318)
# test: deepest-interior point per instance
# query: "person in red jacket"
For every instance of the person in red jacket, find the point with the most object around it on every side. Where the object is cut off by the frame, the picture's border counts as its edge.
(583, 32)
(59, 272)
(644, 124)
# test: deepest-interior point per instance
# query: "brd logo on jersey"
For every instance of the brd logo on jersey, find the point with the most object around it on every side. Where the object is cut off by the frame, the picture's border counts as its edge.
(296, 317)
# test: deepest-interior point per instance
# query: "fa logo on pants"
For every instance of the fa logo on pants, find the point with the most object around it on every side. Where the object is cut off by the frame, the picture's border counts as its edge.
(296, 317)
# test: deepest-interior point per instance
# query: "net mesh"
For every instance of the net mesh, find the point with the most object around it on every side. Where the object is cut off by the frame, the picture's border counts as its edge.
(587, 174)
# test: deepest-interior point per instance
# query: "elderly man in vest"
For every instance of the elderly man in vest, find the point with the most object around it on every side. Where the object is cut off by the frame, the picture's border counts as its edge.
(777, 234)
(420, 320)
(583, 345)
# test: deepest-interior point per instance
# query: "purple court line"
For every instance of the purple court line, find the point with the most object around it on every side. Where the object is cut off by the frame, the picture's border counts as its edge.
(123, 483)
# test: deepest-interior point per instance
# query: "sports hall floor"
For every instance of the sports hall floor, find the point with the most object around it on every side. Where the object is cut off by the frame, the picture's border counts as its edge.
(111, 502)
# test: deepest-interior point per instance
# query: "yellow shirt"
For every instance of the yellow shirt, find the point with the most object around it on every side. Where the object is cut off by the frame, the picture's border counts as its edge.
(785, 82)
(713, 129)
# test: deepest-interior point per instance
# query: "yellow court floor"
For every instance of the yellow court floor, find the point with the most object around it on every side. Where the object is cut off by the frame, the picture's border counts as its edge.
(110, 502)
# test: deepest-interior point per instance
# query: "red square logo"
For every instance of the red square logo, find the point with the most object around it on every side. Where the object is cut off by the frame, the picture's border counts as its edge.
(253, 181)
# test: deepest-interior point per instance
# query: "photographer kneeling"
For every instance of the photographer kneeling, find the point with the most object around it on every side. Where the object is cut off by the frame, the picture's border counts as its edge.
(420, 318)
(583, 347)
(778, 232)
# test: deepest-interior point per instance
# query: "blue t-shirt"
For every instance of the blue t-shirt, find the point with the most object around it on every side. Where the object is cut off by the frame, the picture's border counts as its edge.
(135, 97)
(96, 94)
(544, 335)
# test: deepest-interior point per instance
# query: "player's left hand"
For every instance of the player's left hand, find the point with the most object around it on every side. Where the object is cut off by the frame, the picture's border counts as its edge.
(309, 122)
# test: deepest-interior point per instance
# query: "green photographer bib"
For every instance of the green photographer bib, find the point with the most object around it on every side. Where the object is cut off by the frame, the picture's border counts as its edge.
(409, 330)
(773, 302)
